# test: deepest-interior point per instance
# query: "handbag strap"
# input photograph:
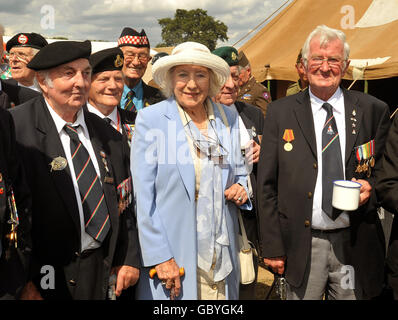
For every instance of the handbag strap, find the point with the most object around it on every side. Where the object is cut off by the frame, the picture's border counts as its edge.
(246, 245)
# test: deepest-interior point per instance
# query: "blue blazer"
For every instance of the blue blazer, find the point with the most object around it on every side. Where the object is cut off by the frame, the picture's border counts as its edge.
(164, 182)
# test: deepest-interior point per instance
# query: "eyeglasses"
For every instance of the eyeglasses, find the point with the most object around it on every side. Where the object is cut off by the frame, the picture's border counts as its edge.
(211, 148)
(19, 56)
(332, 62)
(142, 57)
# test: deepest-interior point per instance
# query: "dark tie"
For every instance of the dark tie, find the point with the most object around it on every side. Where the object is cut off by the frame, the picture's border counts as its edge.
(332, 164)
(96, 217)
(129, 105)
(108, 121)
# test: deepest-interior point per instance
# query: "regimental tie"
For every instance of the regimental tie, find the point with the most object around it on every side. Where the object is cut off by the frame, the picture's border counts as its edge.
(129, 105)
(332, 164)
(96, 217)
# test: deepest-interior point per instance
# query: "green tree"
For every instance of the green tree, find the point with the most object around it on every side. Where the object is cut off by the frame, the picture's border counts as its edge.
(192, 25)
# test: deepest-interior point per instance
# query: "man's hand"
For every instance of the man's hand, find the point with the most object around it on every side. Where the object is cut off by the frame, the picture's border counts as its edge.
(364, 192)
(252, 152)
(276, 264)
(30, 292)
(126, 276)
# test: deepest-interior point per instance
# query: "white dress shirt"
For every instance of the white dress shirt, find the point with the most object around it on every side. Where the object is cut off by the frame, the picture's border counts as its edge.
(320, 220)
(113, 116)
(87, 242)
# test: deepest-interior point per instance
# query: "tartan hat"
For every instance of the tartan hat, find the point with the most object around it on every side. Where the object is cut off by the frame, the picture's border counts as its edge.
(130, 37)
(31, 40)
(60, 52)
(229, 54)
(107, 60)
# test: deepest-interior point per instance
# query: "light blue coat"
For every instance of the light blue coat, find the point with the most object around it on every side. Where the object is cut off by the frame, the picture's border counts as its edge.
(164, 183)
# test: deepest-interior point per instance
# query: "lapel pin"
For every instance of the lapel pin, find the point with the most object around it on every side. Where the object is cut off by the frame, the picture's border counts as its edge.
(58, 164)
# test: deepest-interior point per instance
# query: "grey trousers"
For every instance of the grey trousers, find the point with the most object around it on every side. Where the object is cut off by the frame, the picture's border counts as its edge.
(329, 274)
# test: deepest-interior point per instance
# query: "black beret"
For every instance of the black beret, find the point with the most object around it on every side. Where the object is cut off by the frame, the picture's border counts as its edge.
(159, 55)
(32, 40)
(107, 60)
(229, 54)
(60, 52)
(130, 37)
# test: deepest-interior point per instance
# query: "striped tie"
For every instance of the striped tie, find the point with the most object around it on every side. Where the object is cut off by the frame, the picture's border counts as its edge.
(332, 164)
(129, 105)
(96, 217)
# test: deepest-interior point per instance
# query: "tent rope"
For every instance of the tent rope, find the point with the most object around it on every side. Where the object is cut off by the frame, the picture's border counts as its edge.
(255, 28)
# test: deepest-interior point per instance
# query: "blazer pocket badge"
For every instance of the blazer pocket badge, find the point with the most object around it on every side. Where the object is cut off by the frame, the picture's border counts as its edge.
(288, 136)
(365, 154)
(125, 194)
(58, 164)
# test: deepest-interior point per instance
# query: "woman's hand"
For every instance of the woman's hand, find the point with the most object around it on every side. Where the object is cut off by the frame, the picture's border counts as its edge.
(169, 273)
(237, 194)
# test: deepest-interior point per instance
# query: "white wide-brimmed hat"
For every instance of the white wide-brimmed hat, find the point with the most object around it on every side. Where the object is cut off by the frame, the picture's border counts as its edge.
(191, 53)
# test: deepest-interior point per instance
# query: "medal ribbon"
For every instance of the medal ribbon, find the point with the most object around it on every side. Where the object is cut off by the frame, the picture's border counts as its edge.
(288, 135)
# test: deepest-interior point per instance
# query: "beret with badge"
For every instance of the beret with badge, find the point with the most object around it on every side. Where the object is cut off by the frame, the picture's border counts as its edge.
(229, 54)
(133, 38)
(106, 60)
(31, 40)
(60, 52)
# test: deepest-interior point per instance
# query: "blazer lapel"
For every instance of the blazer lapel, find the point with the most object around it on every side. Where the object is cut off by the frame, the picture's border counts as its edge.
(52, 148)
(353, 117)
(185, 168)
(305, 120)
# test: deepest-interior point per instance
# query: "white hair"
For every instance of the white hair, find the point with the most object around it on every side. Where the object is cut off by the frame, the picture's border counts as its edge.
(45, 74)
(168, 89)
(325, 35)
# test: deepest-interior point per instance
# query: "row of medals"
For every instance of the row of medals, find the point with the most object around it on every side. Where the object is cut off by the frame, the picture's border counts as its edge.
(366, 166)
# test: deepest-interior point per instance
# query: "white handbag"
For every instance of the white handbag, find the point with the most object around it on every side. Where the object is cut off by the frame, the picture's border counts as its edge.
(247, 273)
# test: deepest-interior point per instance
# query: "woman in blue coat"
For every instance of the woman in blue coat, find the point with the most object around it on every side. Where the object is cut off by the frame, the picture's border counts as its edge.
(189, 178)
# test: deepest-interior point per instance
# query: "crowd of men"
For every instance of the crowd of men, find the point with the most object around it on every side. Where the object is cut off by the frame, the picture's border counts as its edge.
(66, 196)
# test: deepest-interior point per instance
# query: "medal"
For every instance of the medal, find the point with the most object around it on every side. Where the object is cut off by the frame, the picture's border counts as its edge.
(58, 164)
(288, 146)
(372, 162)
(288, 136)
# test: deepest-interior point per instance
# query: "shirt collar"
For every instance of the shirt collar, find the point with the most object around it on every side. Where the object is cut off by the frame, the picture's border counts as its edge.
(317, 103)
(112, 115)
(60, 123)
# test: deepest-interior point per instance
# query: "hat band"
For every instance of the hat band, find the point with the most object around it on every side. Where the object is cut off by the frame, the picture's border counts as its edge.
(133, 40)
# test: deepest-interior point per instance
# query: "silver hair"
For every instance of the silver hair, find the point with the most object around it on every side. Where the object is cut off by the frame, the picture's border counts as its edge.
(45, 74)
(325, 35)
(168, 90)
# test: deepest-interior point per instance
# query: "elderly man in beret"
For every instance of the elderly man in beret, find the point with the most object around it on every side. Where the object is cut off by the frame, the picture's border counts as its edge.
(22, 47)
(251, 91)
(136, 49)
(81, 187)
(107, 89)
(251, 122)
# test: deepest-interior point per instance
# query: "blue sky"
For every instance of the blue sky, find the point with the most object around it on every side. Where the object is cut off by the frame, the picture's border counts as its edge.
(104, 19)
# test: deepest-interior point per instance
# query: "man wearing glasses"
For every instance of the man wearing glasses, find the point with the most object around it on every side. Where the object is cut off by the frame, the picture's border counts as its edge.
(136, 50)
(322, 134)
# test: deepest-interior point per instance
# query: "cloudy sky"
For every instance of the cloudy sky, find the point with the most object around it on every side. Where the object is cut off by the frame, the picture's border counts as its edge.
(104, 19)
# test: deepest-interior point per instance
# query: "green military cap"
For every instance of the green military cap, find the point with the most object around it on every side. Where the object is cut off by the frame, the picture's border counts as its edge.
(229, 54)
(243, 61)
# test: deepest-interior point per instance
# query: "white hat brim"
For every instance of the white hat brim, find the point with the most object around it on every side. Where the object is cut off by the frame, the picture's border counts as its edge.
(191, 57)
